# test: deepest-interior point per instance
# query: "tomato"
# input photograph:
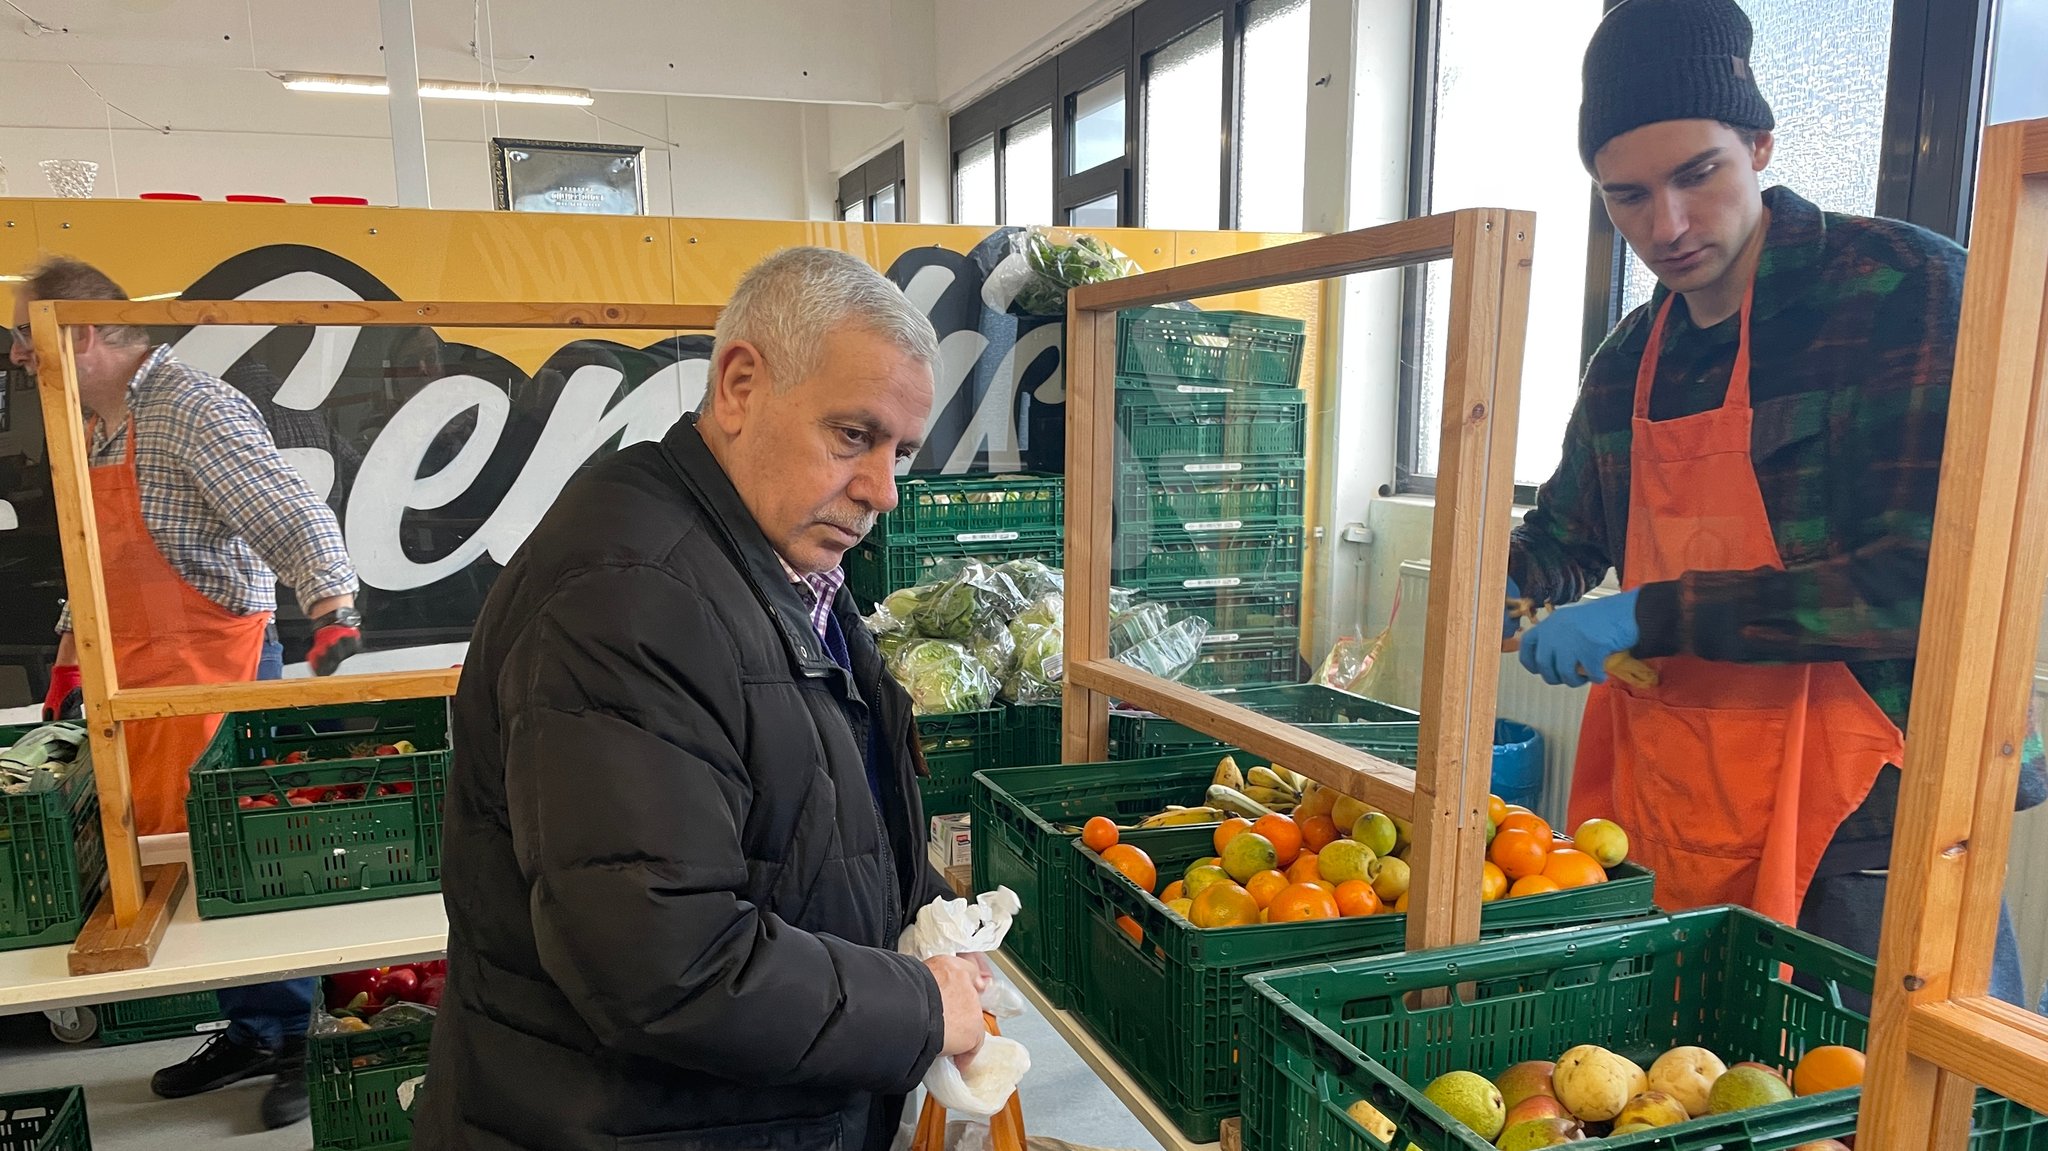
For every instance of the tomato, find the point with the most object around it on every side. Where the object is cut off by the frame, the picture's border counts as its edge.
(399, 983)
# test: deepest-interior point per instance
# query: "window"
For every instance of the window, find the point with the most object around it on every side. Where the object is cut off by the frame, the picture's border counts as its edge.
(1183, 108)
(1027, 170)
(974, 183)
(1094, 214)
(2019, 84)
(873, 191)
(1097, 132)
(1272, 121)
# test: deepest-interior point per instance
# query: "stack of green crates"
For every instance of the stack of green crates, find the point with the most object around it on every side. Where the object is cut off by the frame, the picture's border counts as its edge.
(53, 861)
(1211, 484)
(52, 1119)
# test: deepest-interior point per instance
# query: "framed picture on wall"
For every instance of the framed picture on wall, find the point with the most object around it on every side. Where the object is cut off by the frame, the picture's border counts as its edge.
(566, 176)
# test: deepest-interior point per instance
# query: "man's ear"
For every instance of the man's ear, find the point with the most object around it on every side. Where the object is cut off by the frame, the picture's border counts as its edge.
(738, 377)
(1760, 153)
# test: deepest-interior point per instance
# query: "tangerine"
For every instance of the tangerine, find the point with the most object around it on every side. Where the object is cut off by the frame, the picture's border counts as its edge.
(1519, 853)
(1401, 904)
(1303, 901)
(1325, 884)
(1283, 832)
(1527, 821)
(1496, 808)
(1230, 829)
(1135, 864)
(1099, 834)
(1178, 889)
(1356, 897)
(1318, 832)
(1267, 884)
(1494, 882)
(1223, 905)
(1131, 928)
(1828, 1068)
(1533, 885)
(1303, 868)
(1571, 867)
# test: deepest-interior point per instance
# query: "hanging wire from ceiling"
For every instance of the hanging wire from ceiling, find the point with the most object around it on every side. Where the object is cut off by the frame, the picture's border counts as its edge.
(491, 58)
(164, 129)
(35, 27)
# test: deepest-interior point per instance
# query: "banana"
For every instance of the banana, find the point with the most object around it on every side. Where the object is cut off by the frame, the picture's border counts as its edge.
(1268, 778)
(1236, 802)
(1277, 798)
(1227, 773)
(1293, 779)
(1184, 817)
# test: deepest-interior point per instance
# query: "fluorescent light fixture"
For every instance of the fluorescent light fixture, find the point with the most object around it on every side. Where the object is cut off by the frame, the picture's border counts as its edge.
(439, 89)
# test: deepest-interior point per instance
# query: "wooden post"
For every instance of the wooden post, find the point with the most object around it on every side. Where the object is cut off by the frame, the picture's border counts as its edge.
(1934, 1033)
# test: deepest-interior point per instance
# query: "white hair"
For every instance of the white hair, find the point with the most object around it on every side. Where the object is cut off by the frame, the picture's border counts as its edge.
(788, 303)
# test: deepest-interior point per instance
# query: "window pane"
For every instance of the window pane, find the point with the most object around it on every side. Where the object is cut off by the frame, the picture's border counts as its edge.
(885, 205)
(1507, 113)
(1095, 213)
(855, 212)
(1027, 170)
(1098, 125)
(2019, 84)
(1272, 125)
(1183, 128)
(1822, 65)
(974, 184)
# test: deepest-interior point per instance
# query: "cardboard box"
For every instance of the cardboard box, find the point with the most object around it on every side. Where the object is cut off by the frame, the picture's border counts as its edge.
(951, 841)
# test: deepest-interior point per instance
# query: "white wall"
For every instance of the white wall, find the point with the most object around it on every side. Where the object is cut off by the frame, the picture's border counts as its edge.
(983, 42)
(859, 131)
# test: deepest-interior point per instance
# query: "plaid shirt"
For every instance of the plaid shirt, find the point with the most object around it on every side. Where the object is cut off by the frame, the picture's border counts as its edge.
(818, 592)
(223, 507)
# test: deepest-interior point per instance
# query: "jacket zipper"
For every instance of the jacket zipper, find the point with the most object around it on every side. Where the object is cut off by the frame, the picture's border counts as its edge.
(881, 818)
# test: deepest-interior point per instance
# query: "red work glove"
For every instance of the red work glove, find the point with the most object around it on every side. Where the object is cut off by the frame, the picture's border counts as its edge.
(331, 645)
(64, 680)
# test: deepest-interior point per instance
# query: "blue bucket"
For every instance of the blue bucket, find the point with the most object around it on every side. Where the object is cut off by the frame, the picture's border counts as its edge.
(1518, 763)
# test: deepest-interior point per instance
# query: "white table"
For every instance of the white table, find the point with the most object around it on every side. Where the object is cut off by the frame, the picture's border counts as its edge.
(1104, 1064)
(199, 955)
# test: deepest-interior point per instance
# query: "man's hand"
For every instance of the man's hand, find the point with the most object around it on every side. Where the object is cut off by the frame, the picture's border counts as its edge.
(961, 982)
(337, 636)
(1571, 647)
(1510, 623)
(64, 679)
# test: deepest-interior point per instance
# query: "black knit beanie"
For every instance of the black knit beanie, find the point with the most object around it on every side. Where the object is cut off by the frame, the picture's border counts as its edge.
(1657, 60)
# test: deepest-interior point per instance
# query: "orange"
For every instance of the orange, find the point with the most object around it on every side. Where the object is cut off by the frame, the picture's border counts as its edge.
(1570, 867)
(1224, 905)
(1265, 885)
(1356, 897)
(1230, 829)
(1519, 853)
(1533, 885)
(1178, 889)
(1318, 832)
(1134, 863)
(1284, 833)
(1131, 928)
(1530, 822)
(1494, 883)
(1303, 868)
(1303, 901)
(1099, 834)
(1401, 904)
(1325, 884)
(1827, 1069)
(1496, 808)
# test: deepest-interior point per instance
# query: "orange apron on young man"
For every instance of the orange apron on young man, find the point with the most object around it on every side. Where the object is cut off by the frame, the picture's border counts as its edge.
(165, 633)
(1729, 778)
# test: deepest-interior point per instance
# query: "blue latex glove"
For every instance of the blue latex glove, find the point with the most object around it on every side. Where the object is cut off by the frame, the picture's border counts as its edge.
(1508, 622)
(1571, 647)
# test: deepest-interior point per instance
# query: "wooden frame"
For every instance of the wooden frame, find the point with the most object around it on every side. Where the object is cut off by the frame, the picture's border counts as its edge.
(1936, 1033)
(1445, 797)
(129, 921)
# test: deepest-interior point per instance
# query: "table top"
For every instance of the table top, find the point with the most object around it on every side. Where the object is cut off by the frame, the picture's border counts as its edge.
(201, 954)
(1104, 1064)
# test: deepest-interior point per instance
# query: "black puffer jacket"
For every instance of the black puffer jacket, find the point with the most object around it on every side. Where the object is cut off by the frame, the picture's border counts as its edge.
(672, 903)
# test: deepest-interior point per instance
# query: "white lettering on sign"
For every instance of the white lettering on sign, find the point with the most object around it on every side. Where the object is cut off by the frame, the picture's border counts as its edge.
(1217, 467)
(1212, 526)
(1226, 581)
(984, 537)
(1220, 637)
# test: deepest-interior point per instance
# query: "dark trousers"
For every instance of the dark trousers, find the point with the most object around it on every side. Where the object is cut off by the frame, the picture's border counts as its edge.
(263, 1014)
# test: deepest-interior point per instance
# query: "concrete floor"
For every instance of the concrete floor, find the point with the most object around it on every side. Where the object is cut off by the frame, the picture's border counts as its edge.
(1062, 1097)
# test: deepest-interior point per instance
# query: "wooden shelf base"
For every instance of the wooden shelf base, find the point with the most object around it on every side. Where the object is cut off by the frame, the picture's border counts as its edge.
(104, 945)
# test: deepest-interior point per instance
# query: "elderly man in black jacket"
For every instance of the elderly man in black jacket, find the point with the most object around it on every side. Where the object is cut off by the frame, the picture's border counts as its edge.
(683, 826)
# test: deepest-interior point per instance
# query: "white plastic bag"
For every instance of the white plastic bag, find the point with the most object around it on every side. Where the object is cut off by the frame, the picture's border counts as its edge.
(981, 1083)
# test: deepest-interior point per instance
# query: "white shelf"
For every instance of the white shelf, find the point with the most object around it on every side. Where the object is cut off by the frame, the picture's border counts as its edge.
(1104, 1064)
(201, 954)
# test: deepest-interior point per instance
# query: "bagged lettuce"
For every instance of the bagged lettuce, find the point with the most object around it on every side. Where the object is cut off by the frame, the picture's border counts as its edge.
(942, 677)
(1040, 657)
(977, 601)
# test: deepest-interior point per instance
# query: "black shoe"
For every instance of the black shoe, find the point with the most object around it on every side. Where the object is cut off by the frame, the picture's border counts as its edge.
(218, 1062)
(285, 1102)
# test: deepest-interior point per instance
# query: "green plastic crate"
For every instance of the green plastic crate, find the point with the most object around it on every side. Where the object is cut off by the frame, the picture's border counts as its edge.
(1324, 1036)
(955, 747)
(976, 509)
(1209, 430)
(362, 1084)
(53, 861)
(48, 1120)
(1169, 496)
(247, 860)
(1170, 1006)
(160, 1017)
(1212, 347)
(1037, 734)
(873, 570)
(1146, 736)
(1238, 610)
(1024, 819)
(1176, 561)
(1247, 660)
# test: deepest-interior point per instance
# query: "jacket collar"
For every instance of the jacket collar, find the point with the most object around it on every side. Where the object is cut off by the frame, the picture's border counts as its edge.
(749, 550)
(1795, 243)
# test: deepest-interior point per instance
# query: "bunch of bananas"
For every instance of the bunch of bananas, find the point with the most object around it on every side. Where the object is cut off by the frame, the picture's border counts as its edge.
(1234, 792)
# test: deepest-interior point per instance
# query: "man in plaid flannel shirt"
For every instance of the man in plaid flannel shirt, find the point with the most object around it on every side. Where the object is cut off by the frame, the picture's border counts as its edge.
(1851, 341)
(222, 510)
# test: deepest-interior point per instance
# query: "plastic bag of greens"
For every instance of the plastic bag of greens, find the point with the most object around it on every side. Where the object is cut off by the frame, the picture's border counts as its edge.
(1050, 611)
(942, 677)
(977, 601)
(1034, 578)
(1040, 656)
(896, 612)
(1171, 653)
(996, 651)
(1130, 628)
(1054, 260)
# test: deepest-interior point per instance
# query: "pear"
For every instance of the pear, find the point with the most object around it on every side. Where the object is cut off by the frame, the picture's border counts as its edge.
(1471, 1100)
(1651, 1109)
(1745, 1087)
(1595, 1083)
(1539, 1133)
(1687, 1074)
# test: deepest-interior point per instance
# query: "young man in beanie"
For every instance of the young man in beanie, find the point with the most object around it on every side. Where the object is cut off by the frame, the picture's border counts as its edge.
(1756, 451)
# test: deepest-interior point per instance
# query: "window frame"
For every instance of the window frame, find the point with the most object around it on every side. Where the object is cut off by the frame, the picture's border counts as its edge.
(1104, 53)
(994, 115)
(881, 171)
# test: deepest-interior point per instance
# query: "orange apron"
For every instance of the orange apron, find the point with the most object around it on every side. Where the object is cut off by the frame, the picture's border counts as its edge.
(1730, 778)
(165, 634)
